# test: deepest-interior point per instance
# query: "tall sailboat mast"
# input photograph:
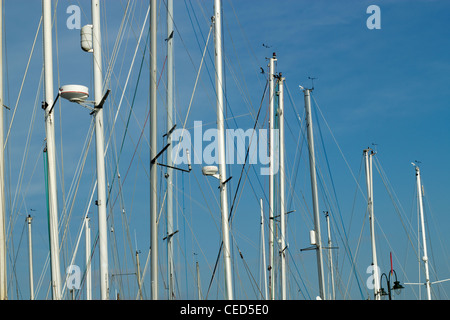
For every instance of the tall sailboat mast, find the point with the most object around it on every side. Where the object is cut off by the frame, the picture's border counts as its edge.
(51, 157)
(369, 180)
(199, 287)
(424, 239)
(170, 118)
(30, 257)
(100, 150)
(3, 275)
(221, 144)
(330, 257)
(87, 230)
(315, 198)
(263, 249)
(282, 188)
(271, 176)
(138, 271)
(153, 154)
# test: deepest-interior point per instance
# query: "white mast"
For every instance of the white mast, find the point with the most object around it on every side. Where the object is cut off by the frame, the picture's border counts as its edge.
(282, 188)
(51, 158)
(138, 271)
(30, 257)
(100, 150)
(87, 230)
(330, 257)
(369, 180)
(3, 275)
(271, 176)
(153, 154)
(199, 287)
(263, 248)
(221, 145)
(424, 240)
(170, 74)
(315, 198)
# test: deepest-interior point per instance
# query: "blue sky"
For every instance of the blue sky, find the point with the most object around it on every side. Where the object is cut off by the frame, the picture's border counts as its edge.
(385, 89)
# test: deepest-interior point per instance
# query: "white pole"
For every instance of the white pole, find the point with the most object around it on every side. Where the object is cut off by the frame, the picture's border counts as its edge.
(30, 257)
(330, 257)
(3, 275)
(153, 153)
(100, 150)
(170, 73)
(138, 271)
(315, 197)
(424, 240)
(87, 230)
(282, 188)
(50, 134)
(221, 145)
(271, 177)
(199, 287)
(263, 248)
(369, 181)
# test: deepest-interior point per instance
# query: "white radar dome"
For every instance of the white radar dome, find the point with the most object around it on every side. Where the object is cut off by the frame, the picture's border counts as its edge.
(74, 93)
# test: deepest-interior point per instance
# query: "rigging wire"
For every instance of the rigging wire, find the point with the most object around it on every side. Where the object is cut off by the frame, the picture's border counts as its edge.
(14, 208)
(23, 82)
(397, 205)
(77, 179)
(345, 240)
(129, 74)
(444, 252)
(230, 216)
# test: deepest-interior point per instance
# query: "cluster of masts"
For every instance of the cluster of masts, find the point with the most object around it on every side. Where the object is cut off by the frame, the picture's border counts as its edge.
(315, 234)
(91, 42)
(73, 93)
(378, 291)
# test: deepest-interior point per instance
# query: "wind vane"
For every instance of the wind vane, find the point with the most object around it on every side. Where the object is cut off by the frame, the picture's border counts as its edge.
(312, 81)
